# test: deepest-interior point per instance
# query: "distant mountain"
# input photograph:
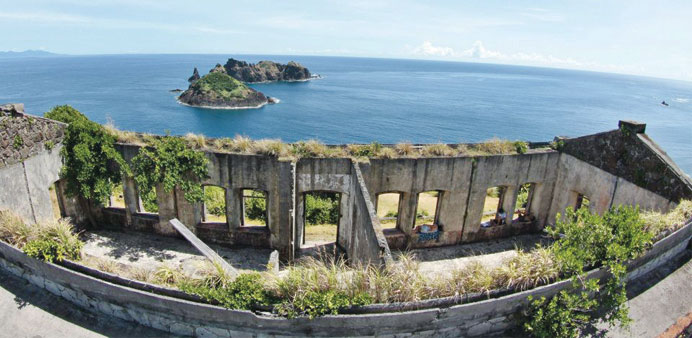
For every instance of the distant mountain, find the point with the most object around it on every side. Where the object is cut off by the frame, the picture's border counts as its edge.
(27, 53)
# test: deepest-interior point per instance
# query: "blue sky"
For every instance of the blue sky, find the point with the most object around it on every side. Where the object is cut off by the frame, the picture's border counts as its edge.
(636, 37)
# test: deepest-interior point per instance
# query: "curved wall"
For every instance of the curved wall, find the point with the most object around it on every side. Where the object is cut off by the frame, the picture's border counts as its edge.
(184, 317)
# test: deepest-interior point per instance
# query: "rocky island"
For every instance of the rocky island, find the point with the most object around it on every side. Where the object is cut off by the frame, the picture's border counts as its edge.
(224, 87)
(221, 91)
(264, 71)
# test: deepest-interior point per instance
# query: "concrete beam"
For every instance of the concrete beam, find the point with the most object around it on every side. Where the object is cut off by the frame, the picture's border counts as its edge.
(203, 248)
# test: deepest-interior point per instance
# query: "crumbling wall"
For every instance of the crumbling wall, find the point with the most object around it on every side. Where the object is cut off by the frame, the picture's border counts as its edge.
(233, 173)
(603, 189)
(367, 244)
(30, 162)
(629, 153)
(463, 182)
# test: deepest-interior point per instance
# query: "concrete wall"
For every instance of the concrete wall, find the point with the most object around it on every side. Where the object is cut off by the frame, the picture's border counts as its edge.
(603, 189)
(182, 317)
(557, 178)
(463, 182)
(233, 173)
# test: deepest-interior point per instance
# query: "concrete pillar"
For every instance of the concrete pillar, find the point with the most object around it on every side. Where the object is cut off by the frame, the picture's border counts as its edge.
(345, 219)
(189, 213)
(131, 199)
(234, 208)
(167, 210)
(509, 202)
(407, 212)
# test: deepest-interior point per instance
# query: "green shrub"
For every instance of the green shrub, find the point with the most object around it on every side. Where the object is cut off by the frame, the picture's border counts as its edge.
(54, 241)
(88, 156)
(149, 201)
(170, 162)
(256, 206)
(215, 200)
(49, 145)
(321, 208)
(585, 240)
(521, 147)
(246, 291)
(318, 303)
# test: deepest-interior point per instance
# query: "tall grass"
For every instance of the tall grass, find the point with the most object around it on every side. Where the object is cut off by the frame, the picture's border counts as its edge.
(439, 149)
(657, 223)
(13, 229)
(495, 146)
(49, 239)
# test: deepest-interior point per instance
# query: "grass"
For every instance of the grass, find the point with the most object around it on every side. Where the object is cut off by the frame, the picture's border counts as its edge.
(320, 233)
(495, 146)
(316, 149)
(658, 223)
(49, 239)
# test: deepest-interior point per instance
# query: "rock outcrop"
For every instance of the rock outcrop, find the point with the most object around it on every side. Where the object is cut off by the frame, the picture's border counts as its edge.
(218, 90)
(195, 76)
(265, 71)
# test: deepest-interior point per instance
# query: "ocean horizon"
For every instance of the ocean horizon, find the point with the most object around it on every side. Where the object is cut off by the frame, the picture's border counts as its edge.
(360, 100)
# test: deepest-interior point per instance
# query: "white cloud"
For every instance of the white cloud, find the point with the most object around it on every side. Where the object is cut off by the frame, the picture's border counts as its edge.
(427, 49)
(478, 51)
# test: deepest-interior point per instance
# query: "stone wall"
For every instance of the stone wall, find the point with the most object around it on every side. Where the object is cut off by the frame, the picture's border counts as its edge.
(29, 162)
(630, 154)
(22, 136)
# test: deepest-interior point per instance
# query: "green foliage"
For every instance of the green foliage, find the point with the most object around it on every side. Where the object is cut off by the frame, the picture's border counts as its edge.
(246, 291)
(321, 208)
(53, 241)
(221, 84)
(88, 156)
(49, 145)
(523, 196)
(521, 147)
(18, 142)
(585, 240)
(48, 250)
(215, 200)
(365, 150)
(558, 144)
(149, 201)
(316, 303)
(171, 163)
(256, 206)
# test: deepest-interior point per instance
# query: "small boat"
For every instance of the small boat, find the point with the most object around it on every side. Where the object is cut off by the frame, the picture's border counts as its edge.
(664, 103)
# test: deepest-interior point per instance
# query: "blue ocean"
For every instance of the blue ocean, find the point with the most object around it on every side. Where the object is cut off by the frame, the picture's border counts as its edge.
(361, 99)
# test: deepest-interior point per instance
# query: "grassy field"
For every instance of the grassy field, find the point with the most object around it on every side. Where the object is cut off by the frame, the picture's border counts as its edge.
(320, 233)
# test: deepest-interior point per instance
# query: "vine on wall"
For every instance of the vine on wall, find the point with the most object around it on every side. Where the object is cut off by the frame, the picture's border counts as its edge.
(91, 164)
(170, 162)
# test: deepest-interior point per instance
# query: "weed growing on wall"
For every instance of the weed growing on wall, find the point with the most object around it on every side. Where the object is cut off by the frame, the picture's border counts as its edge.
(18, 142)
(170, 162)
(91, 165)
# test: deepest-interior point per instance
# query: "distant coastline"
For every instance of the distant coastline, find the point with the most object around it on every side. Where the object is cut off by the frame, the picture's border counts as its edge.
(27, 53)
